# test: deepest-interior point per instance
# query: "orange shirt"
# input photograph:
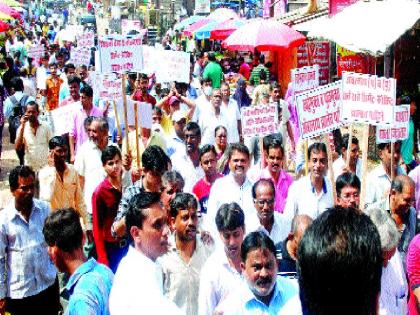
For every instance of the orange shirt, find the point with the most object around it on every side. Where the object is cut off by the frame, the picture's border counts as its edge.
(53, 90)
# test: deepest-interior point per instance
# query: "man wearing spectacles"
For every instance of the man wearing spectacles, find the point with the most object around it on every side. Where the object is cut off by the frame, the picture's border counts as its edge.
(270, 222)
(347, 186)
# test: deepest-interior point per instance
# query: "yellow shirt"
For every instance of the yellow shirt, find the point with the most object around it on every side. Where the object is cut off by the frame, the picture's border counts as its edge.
(62, 193)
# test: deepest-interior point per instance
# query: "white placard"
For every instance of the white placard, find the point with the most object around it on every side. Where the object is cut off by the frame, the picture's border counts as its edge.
(202, 6)
(399, 129)
(305, 79)
(36, 52)
(61, 118)
(368, 98)
(144, 113)
(80, 56)
(86, 40)
(119, 53)
(108, 87)
(319, 110)
(259, 120)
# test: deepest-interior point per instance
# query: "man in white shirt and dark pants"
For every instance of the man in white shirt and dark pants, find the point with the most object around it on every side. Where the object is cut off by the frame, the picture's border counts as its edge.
(311, 194)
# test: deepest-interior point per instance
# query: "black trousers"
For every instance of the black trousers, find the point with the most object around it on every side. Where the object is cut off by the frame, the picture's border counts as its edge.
(46, 302)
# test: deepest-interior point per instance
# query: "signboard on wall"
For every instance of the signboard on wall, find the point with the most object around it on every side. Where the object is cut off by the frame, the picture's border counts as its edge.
(316, 53)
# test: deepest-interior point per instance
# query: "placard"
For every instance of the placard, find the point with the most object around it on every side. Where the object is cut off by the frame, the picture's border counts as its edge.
(80, 56)
(399, 129)
(202, 7)
(350, 61)
(144, 112)
(61, 118)
(368, 98)
(119, 53)
(305, 79)
(130, 25)
(319, 110)
(259, 120)
(108, 87)
(36, 53)
(86, 40)
(316, 53)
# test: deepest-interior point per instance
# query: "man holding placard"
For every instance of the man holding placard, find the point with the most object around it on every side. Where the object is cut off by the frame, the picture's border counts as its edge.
(311, 194)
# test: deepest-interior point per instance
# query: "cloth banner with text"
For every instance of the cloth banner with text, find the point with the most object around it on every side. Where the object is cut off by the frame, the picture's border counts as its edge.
(399, 129)
(368, 98)
(319, 110)
(259, 120)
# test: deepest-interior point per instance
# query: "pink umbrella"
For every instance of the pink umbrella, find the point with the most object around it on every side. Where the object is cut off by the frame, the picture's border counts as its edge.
(9, 11)
(189, 30)
(223, 14)
(224, 29)
(263, 35)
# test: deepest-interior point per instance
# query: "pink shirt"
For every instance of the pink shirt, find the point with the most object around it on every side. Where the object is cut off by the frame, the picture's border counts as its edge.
(413, 271)
(415, 176)
(77, 128)
(282, 187)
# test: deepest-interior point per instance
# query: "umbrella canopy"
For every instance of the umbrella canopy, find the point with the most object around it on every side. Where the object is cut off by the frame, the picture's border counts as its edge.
(223, 14)
(189, 30)
(4, 26)
(9, 11)
(204, 31)
(5, 17)
(264, 35)
(378, 25)
(224, 29)
(188, 21)
(11, 3)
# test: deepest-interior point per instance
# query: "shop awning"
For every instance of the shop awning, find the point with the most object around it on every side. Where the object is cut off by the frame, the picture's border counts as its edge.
(368, 26)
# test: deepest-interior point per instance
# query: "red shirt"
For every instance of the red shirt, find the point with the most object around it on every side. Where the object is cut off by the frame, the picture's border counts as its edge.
(201, 190)
(137, 96)
(105, 201)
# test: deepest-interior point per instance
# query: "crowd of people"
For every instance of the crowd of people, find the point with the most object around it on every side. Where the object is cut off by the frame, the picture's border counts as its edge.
(201, 220)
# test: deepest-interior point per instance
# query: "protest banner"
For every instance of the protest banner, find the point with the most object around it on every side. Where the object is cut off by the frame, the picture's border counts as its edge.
(319, 110)
(130, 25)
(119, 53)
(202, 7)
(60, 119)
(36, 52)
(316, 53)
(398, 130)
(80, 56)
(259, 120)
(144, 113)
(86, 40)
(305, 79)
(350, 61)
(108, 86)
(368, 98)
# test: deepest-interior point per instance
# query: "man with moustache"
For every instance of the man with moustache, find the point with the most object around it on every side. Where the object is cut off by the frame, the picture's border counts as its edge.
(138, 282)
(33, 137)
(270, 222)
(28, 278)
(235, 187)
(183, 262)
(311, 194)
(187, 162)
(347, 186)
(264, 291)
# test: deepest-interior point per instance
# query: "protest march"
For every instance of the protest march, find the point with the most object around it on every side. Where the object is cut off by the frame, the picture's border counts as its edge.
(209, 158)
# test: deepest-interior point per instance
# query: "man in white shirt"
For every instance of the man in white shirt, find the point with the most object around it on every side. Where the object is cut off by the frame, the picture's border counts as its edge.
(212, 118)
(203, 101)
(270, 222)
(138, 283)
(221, 274)
(378, 183)
(235, 187)
(233, 115)
(355, 164)
(311, 194)
(176, 141)
(187, 161)
(183, 262)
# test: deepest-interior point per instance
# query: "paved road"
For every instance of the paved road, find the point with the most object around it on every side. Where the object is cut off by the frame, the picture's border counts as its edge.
(8, 161)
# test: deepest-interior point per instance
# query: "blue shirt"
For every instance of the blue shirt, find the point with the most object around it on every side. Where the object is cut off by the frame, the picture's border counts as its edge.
(25, 267)
(89, 288)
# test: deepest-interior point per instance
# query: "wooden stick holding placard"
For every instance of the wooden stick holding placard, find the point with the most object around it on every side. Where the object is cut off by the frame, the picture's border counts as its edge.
(330, 168)
(365, 146)
(125, 113)
(117, 119)
(349, 146)
(136, 124)
(392, 159)
(305, 152)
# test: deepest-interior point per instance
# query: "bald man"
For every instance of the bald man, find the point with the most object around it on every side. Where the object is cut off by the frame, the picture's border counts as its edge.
(287, 249)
